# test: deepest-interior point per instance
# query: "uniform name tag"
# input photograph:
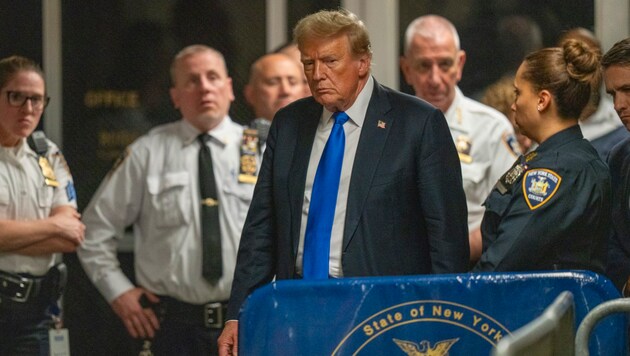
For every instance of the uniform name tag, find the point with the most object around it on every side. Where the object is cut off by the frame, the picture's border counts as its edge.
(59, 342)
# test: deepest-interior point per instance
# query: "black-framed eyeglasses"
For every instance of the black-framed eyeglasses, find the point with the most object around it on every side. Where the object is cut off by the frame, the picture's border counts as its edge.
(18, 99)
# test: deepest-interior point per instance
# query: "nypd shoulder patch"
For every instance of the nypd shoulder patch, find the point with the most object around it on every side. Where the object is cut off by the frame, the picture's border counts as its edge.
(539, 185)
(511, 143)
(70, 192)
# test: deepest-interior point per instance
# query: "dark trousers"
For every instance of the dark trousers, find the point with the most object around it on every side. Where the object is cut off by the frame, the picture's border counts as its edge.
(180, 339)
(24, 329)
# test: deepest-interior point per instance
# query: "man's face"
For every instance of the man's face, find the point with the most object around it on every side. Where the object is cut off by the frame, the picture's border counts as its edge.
(433, 67)
(293, 52)
(276, 83)
(17, 122)
(334, 75)
(202, 91)
(617, 79)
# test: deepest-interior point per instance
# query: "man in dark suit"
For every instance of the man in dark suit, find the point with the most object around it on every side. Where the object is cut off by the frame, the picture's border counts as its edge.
(400, 208)
(616, 63)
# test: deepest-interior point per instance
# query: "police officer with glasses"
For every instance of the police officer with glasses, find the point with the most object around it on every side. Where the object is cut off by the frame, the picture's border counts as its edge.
(38, 216)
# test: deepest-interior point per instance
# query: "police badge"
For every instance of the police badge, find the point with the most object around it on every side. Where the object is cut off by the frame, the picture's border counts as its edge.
(249, 152)
(463, 145)
(510, 177)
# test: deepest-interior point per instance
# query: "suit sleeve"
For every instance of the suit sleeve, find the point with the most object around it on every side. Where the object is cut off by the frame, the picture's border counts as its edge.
(442, 198)
(256, 260)
(618, 268)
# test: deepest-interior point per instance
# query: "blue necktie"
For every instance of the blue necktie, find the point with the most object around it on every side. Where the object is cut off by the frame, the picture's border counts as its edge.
(321, 211)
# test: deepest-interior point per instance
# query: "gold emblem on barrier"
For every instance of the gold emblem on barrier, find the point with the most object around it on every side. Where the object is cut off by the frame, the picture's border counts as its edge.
(424, 349)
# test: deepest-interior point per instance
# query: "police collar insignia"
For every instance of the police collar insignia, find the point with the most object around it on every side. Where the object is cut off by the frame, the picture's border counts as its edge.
(530, 156)
(539, 185)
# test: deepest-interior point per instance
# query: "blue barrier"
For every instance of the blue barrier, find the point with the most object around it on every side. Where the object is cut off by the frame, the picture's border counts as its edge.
(464, 314)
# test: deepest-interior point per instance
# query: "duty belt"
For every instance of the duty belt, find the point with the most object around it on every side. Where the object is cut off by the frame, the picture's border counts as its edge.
(24, 288)
(211, 315)
(18, 288)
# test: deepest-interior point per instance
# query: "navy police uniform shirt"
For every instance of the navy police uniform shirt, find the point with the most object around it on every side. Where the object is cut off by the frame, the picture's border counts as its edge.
(550, 211)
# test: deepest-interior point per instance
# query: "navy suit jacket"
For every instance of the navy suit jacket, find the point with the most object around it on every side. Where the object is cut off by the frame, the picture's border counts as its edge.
(618, 269)
(406, 211)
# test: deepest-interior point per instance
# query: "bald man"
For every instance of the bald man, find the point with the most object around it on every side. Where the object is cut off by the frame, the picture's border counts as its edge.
(433, 63)
(293, 51)
(275, 80)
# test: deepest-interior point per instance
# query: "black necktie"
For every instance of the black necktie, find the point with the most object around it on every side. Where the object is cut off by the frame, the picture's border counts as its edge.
(212, 268)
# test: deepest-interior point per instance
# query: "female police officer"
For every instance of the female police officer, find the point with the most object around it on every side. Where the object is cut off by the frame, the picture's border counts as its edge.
(38, 216)
(551, 210)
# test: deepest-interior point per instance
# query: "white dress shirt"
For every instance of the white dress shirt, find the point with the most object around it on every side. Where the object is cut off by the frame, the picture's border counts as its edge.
(492, 149)
(352, 130)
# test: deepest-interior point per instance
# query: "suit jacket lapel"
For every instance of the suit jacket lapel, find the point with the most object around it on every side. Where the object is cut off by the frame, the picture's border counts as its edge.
(374, 134)
(306, 129)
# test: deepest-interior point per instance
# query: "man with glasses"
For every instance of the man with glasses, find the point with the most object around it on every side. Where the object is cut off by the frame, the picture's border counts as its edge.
(433, 63)
(38, 217)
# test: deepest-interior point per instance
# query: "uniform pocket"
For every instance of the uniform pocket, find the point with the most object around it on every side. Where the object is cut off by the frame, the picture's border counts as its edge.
(497, 203)
(238, 197)
(5, 198)
(170, 198)
(45, 197)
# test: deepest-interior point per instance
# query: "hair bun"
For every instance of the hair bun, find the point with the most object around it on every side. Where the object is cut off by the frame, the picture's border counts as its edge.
(583, 61)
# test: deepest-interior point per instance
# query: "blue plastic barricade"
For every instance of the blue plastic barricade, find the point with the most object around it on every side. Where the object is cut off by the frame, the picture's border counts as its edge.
(465, 314)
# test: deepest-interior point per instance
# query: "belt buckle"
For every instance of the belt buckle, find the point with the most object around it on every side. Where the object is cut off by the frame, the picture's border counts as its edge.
(24, 285)
(213, 315)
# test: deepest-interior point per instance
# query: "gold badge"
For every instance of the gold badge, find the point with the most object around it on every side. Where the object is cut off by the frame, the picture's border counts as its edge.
(249, 151)
(510, 177)
(463, 145)
(47, 172)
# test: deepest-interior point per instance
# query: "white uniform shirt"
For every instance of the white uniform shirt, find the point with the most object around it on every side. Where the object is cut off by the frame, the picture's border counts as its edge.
(156, 188)
(603, 121)
(487, 148)
(25, 196)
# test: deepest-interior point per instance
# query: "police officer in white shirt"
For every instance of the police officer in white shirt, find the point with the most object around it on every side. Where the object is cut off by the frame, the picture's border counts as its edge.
(433, 64)
(38, 217)
(275, 80)
(155, 188)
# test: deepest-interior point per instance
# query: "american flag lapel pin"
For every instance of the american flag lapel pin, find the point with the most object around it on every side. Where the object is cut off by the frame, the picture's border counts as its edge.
(381, 124)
